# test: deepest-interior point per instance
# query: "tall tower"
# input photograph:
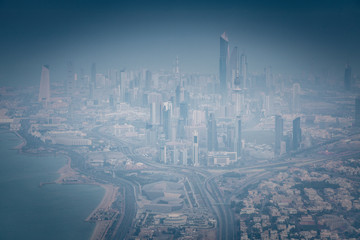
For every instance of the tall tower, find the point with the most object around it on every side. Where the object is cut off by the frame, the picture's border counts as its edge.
(244, 66)
(234, 68)
(238, 143)
(196, 149)
(296, 133)
(148, 80)
(212, 133)
(44, 91)
(167, 112)
(224, 55)
(296, 98)
(357, 112)
(268, 78)
(93, 75)
(347, 77)
(69, 84)
(279, 129)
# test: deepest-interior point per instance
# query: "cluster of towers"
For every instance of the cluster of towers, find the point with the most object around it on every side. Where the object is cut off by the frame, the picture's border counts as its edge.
(232, 68)
(283, 143)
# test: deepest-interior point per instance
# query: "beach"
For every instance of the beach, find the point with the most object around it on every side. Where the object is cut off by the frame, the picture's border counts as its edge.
(70, 176)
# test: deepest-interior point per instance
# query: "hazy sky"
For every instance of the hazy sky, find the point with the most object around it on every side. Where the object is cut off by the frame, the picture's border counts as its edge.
(291, 37)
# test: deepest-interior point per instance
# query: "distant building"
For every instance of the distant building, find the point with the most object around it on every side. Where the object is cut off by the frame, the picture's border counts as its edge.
(93, 74)
(268, 78)
(296, 133)
(148, 80)
(69, 84)
(196, 149)
(357, 112)
(235, 68)
(167, 115)
(212, 133)
(184, 111)
(279, 129)
(347, 77)
(244, 66)
(296, 98)
(238, 143)
(223, 64)
(44, 91)
(221, 158)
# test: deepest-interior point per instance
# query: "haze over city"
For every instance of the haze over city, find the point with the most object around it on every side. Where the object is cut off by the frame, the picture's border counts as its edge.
(179, 120)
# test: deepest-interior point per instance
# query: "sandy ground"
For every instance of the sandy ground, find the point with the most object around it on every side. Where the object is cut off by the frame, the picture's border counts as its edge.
(103, 225)
(66, 172)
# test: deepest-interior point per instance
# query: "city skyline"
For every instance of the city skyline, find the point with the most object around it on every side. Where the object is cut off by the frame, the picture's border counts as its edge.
(180, 120)
(293, 39)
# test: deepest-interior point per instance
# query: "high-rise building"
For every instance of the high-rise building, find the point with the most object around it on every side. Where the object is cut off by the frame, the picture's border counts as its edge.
(238, 142)
(44, 91)
(296, 98)
(93, 75)
(69, 84)
(148, 80)
(196, 149)
(184, 111)
(268, 78)
(167, 114)
(234, 68)
(347, 77)
(296, 133)
(357, 111)
(243, 68)
(212, 133)
(279, 129)
(223, 64)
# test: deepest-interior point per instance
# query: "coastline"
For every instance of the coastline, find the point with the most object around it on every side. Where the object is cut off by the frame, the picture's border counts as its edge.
(23, 141)
(68, 175)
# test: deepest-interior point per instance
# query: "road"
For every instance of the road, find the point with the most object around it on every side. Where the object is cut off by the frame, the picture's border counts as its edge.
(207, 192)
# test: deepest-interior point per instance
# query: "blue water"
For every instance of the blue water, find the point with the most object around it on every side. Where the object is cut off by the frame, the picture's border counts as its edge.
(52, 211)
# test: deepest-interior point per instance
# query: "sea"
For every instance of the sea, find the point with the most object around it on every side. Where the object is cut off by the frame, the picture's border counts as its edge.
(52, 211)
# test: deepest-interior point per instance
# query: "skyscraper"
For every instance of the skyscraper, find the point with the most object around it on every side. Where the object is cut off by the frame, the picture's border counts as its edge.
(69, 84)
(279, 129)
(268, 78)
(296, 133)
(196, 149)
(93, 75)
(212, 133)
(234, 68)
(347, 77)
(167, 112)
(296, 98)
(224, 55)
(184, 111)
(243, 68)
(148, 80)
(357, 111)
(44, 91)
(238, 143)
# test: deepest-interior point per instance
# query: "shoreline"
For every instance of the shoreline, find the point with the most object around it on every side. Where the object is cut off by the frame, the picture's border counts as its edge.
(68, 175)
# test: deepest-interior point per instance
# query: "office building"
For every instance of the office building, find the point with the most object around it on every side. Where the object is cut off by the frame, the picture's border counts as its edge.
(44, 91)
(223, 64)
(279, 129)
(238, 143)
(196, 149)
(296, 133)
(244, 65)
(212, 133)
